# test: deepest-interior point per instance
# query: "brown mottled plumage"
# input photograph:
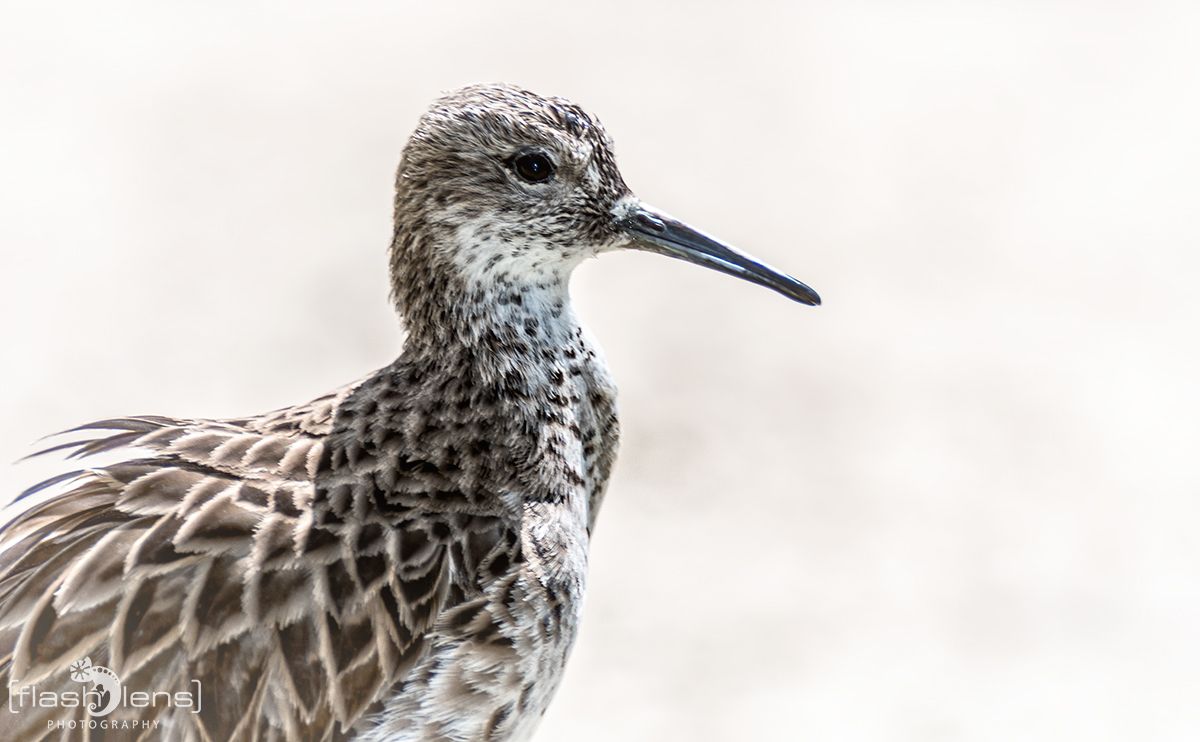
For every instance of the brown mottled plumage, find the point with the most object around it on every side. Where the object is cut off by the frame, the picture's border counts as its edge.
(401, 559)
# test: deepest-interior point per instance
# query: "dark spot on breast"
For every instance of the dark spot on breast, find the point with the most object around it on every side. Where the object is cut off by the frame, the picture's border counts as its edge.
(500, 565)
(370, 569)
(412, 542)
(319, 538)
(369, 537)
(492, 730)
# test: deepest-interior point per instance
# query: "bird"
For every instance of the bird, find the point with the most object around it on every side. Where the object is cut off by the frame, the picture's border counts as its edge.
(403, 558)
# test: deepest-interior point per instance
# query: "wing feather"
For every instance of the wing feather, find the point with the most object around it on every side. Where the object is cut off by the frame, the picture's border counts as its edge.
(204, 557)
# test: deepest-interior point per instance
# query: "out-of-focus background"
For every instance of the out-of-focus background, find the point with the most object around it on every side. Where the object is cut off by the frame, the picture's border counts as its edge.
(957, 502)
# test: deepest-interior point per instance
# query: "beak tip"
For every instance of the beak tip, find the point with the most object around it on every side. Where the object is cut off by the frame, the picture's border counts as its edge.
(805, 295)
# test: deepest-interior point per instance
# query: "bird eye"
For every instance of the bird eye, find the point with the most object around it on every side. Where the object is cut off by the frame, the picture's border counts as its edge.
(533, 167)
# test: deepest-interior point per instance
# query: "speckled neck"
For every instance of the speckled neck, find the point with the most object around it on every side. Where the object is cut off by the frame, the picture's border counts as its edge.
(455, 290)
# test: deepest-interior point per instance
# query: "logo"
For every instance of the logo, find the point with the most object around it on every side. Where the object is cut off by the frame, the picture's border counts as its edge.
(105, 693)
(100, 692)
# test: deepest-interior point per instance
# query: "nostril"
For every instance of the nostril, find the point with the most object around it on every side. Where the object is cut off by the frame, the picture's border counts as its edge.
(652, 223)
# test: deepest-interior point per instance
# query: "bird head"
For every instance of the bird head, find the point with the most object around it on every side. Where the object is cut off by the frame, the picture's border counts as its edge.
(501, 189)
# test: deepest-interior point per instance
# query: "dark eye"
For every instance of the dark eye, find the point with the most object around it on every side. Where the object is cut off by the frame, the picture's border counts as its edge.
(533, 167)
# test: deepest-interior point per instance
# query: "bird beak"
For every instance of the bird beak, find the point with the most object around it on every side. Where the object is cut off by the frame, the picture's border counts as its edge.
(656, 232)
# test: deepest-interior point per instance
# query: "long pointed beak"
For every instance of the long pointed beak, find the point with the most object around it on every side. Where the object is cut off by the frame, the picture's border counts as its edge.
(656, 232)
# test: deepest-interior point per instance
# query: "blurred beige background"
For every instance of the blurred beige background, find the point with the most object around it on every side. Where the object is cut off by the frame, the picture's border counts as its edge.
(958, 502)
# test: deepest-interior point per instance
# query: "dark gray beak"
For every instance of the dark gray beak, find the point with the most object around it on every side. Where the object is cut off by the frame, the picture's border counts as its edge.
(656, 232)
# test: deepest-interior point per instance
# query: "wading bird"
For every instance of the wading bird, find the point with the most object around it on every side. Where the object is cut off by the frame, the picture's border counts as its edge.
(403, 558)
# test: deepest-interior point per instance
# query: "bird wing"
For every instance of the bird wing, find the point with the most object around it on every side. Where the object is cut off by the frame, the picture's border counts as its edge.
(207, 561)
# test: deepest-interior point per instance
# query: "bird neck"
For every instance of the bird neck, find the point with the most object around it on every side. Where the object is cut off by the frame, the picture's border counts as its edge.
(456, 289)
